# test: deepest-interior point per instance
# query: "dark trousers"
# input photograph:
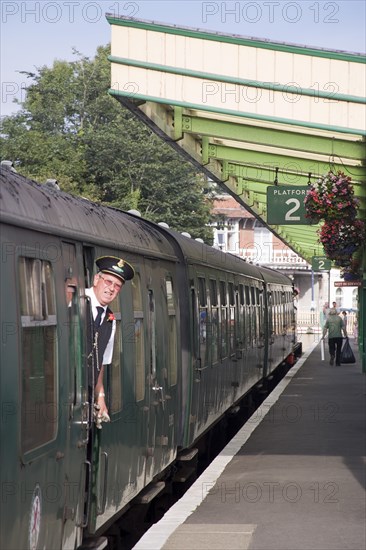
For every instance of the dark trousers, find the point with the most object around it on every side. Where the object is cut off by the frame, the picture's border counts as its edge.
(335, 346)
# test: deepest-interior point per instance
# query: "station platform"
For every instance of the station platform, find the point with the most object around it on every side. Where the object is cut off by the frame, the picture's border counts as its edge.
(293, 478)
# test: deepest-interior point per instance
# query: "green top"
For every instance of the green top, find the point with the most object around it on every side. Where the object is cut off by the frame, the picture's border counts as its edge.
(335, 326)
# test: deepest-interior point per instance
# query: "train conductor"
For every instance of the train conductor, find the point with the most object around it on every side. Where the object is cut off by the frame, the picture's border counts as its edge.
(112, 273)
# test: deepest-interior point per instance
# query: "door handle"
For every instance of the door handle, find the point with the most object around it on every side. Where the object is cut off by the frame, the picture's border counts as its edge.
(85, 421)
(160, 389)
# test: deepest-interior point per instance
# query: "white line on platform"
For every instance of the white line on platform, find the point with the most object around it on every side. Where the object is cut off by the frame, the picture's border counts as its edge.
(158, 534)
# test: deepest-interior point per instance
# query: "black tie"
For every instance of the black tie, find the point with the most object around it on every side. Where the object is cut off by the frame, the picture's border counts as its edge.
(99, 316)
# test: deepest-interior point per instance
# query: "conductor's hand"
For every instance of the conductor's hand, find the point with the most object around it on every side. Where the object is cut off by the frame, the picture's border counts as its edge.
(100, 412)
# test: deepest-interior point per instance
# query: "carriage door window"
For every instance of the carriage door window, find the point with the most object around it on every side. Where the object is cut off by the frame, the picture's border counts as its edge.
(232, 327)
(114, 370)
(152, 334)
(75, 343)
(241, 327)
(224, 320)
(275, 312)
(270, 313)
(139, 338)
(39, 375)
(214, 321)
(260, 314)
(172, 331)
(254, 314)
(202, 302)
(248, 326)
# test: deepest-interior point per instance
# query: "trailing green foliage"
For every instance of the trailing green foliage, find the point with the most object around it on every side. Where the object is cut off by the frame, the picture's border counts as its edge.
(70, 129)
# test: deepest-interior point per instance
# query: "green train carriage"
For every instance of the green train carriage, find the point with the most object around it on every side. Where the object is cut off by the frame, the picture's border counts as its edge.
(172, 377)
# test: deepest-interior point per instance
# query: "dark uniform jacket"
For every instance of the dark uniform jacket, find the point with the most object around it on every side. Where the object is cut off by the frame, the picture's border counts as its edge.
(97, 340)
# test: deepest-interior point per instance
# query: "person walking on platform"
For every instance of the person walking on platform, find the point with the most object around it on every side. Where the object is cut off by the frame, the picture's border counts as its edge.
(334, 324)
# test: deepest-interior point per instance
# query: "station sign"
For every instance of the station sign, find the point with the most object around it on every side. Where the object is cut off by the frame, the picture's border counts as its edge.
(320, 263)
(347, 283)
(285, 205)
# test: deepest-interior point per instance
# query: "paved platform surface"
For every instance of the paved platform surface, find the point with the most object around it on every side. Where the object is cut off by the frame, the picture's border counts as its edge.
(293, 478)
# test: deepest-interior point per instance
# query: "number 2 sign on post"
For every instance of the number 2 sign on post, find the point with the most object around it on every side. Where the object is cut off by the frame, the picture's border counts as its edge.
(320, 263)
(285, 205)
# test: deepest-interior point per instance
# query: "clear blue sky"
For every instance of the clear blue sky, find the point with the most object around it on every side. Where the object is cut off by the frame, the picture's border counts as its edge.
(34, 34)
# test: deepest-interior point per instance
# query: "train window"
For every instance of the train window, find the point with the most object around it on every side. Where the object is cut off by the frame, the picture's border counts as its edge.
(281, 320)
(202, 291)
(213, 293)
(254, 314)
(252, 292)
(75, 364)
(241, 327)
(261, 328)
(247, 319)
(214, 333)
(39, 405)
(247, 297)
(172, 331)
(232, 327)
(275, 312)
(115, 369)
(231, 294)
(202, 300)
(223, 297)
(241, 294)
(138, 338)
(152, 333)
(257, 296)
(224, 320)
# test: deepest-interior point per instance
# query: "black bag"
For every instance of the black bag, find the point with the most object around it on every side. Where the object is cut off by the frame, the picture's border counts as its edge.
(347, 353)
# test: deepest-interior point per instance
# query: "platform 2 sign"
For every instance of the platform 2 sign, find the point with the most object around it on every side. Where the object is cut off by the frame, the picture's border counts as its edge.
(320, 263)
(285, 205)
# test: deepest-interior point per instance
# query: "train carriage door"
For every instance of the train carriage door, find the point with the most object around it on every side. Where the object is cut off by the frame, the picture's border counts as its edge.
(77, 402)
(205, 323)
(260, 326)
(162, 339)
(240, 333)
(271, 328)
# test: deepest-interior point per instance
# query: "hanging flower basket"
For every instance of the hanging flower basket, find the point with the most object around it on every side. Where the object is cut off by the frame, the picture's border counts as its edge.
(342, 261)
(341, 239)
(331, 198)
(350, 276)
(352, 272)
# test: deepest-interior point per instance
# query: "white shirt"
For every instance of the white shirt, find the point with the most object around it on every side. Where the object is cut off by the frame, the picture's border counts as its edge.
(108, 353)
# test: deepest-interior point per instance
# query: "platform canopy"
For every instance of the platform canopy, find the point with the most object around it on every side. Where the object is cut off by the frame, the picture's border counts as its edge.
(249, 113)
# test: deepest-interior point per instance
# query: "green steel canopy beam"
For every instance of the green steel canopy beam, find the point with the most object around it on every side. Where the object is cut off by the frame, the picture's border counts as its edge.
(270, 161)
(265, 175)
(285, 139)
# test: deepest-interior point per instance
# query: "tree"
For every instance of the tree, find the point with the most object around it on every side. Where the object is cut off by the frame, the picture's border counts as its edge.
(70, 129)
